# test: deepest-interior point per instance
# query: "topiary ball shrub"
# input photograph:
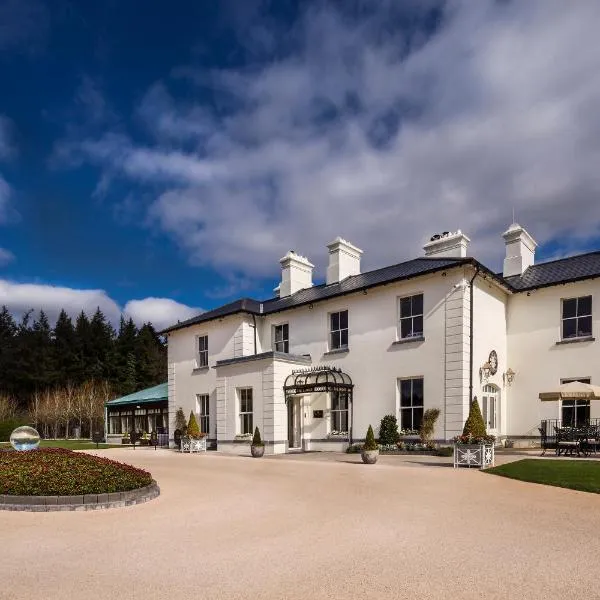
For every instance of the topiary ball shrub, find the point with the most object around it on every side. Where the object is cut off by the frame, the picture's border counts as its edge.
(388, 431)
(61, 472)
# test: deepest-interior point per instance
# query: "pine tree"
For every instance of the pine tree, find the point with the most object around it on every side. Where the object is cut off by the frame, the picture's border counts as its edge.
(83, 350)
(8, 342)
(101, 348)
(65, 350)
(151, 356)
(43, 372)
(474, 424)
(125, 359)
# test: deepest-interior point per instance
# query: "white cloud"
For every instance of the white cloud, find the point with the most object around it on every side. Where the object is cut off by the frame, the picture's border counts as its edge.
(363, 131)
(21, 297)
(6, 256)
(161, 312)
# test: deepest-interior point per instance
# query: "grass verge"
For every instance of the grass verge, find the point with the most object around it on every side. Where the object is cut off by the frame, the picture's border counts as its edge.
(573, 474)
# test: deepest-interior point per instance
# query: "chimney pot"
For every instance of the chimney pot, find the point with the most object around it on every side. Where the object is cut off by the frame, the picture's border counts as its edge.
(520, 250)
(447, 244)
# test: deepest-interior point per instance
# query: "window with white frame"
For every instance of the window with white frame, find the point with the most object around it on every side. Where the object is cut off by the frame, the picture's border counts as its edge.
(411, 402)
(410, 317)
(338, 330)
(575, 413)
(576, 317)
(281, 338)
(203, 410)
(246, 415)
(202, 360)
(339, 412)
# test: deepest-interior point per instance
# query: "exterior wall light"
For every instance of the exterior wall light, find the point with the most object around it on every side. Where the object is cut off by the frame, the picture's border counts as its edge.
(485, 369)
(509, 376)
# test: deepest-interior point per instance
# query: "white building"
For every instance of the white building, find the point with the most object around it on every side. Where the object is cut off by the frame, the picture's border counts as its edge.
(314, 366)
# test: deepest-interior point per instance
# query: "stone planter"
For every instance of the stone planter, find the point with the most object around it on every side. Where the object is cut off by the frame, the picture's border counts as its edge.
(369, 457)
(473, 455)
(257, 451)
(191, 445)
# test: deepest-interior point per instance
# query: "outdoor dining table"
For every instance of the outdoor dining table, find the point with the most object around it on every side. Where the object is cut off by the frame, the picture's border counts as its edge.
(582, 440)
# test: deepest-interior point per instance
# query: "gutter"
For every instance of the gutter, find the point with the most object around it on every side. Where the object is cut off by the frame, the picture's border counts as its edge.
(477, 269)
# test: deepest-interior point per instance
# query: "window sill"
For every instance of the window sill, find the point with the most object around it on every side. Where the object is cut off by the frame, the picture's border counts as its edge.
(588, 338)
(201, 369)
(337, 351)
(408, 340)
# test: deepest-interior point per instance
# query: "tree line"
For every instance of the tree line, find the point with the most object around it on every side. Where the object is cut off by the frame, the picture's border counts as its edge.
(49, 367)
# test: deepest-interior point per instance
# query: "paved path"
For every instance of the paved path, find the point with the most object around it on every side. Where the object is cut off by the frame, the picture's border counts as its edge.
(228, 528)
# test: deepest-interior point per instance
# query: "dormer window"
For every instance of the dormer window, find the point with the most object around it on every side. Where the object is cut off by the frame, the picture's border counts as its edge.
(576, 317)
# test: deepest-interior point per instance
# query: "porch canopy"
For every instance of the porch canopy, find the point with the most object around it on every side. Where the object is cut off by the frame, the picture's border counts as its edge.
(317, 379)
(321, 379)
(574, 390)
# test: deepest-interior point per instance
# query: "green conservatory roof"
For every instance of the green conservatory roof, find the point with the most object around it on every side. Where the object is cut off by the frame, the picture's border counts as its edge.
(153, 394)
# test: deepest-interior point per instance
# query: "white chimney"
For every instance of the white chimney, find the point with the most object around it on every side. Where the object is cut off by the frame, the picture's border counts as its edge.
(296, 274)
(520, 250)
(344, 260)
(447, 245)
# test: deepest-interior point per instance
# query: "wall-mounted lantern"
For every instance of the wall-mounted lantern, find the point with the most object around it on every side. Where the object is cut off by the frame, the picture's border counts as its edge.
(485, 370)
(509, 376)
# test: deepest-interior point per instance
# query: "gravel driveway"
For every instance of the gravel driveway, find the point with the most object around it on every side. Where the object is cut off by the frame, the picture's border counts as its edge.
(229, 527)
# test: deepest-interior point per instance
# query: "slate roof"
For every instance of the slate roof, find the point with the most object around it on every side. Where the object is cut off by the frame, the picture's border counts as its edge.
(565, 270)
(555, 272)
(401, 271)
(153, 394)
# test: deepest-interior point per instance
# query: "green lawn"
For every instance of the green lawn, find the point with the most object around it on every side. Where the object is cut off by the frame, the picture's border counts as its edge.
(69, 444)
(573, 474)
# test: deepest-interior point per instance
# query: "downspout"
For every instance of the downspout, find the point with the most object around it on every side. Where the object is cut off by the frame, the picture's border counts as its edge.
(254, 319)
(471, 334)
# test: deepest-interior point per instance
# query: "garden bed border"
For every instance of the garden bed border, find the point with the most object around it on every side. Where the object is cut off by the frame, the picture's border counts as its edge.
(81, 502)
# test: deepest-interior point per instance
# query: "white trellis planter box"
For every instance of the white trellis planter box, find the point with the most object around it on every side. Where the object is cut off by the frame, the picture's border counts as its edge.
(189, 445)
(473, 455)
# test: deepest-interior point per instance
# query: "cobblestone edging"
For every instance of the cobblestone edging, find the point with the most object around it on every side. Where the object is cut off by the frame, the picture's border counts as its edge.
(86, 502)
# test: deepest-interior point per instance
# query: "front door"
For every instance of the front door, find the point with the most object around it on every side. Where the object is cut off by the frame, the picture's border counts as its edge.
(490, 408)
(294, 423)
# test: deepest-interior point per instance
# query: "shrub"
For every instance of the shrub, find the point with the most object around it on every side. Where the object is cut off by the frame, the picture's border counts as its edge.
(445, 451)
(192, 427)
(354, 449)
(7, 427)
(474, 425)
(428, 424)
(388, 430)
(370, 443)
(180, 422)
(256, 439)
(61, 472)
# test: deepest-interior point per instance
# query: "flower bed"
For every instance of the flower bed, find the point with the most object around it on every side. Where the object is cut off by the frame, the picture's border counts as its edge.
(60, 472)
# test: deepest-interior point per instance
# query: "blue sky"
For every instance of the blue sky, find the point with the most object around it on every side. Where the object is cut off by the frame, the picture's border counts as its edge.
(160, 161)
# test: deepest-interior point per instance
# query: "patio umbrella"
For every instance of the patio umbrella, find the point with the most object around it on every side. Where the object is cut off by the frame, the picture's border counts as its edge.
(575, 390)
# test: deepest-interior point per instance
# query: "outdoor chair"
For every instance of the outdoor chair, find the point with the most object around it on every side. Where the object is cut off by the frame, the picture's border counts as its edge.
(589, 438)
(543, 438)
(567, 441)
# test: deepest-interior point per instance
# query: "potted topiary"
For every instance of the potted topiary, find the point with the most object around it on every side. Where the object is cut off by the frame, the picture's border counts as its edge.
(474, 448)
(257, 448)
(388, 433)
(370, 449)
(195, 440)
(180, 428)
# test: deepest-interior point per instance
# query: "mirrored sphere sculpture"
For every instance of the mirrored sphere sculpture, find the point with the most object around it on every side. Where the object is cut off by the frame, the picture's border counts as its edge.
(24, 438)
